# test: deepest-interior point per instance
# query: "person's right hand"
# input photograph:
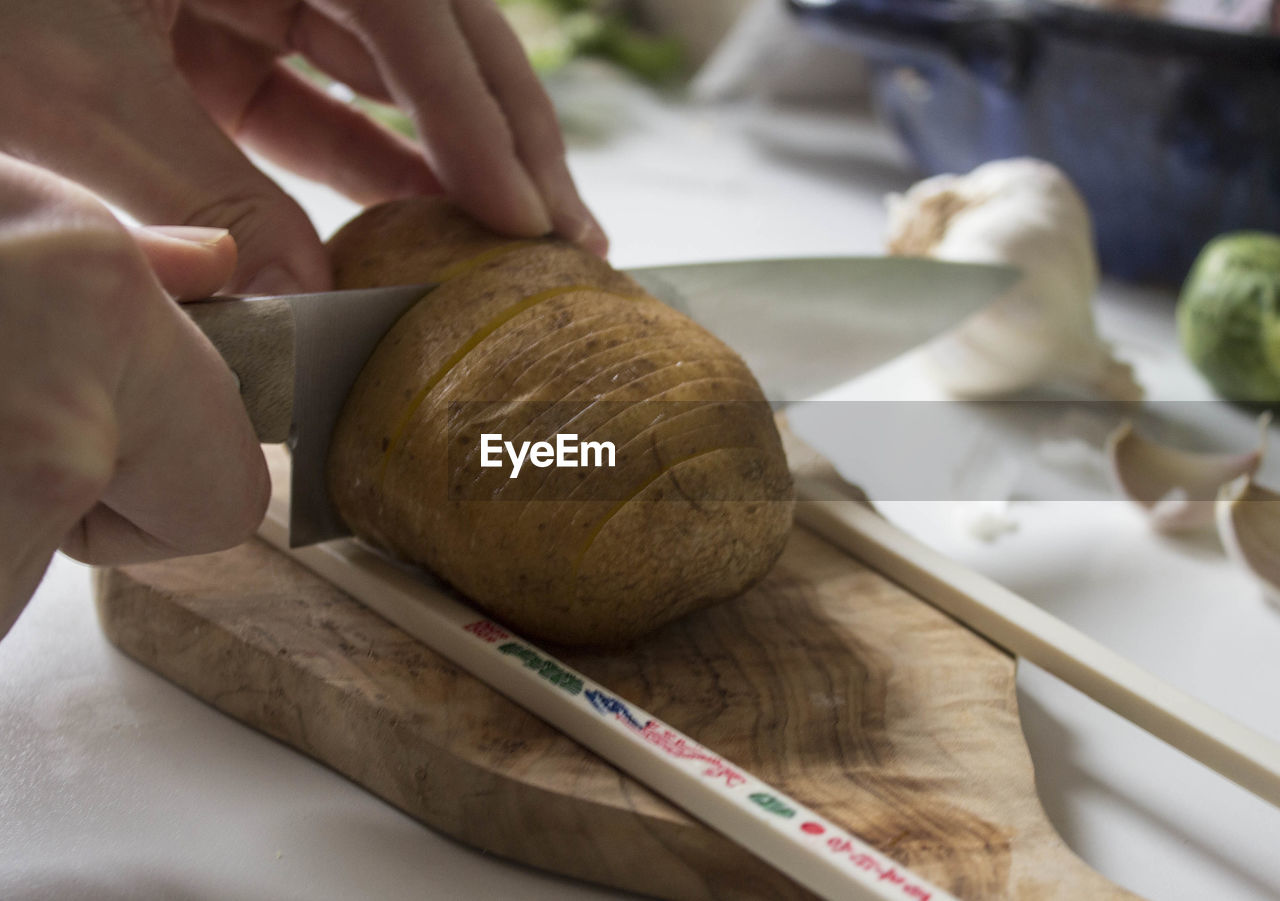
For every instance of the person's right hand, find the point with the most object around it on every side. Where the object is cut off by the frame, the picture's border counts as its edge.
(122, 433)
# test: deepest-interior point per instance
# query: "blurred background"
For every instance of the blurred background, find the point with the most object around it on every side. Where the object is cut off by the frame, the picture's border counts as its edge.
(1163, 112)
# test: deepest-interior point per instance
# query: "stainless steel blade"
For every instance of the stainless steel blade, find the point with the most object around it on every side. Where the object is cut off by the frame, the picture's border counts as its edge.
(805, 325)
(802, 325)
(334, 334)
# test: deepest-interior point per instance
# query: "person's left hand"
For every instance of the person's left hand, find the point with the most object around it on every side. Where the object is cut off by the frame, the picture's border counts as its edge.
(135, 99)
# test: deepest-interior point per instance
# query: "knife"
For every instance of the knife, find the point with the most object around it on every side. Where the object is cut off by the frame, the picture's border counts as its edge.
(801, 325)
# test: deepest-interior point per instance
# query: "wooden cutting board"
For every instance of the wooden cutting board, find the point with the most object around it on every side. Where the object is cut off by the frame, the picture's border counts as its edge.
(826, 680)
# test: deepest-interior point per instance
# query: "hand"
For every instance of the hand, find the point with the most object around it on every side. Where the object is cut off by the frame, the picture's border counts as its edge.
(139, 100)
(122, 434)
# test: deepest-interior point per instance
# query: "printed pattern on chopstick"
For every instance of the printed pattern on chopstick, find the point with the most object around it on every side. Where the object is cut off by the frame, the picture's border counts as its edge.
(876, 872)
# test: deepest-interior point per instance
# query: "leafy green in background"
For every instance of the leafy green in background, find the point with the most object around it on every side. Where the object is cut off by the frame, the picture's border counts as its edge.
(554, 33)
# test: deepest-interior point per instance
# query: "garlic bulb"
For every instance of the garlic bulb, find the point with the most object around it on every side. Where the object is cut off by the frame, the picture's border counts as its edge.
(1026, 213)
(1249, 525)
(1176, 488)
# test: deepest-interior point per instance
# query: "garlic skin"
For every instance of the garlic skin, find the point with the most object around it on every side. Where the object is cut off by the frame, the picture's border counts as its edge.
(1023, 212)
(1176, 488)
(1248, 518)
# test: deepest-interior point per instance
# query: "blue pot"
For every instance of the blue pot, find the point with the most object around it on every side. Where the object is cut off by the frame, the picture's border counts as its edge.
(1171, 133)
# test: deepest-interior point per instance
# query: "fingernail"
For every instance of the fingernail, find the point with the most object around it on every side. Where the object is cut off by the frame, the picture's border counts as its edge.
(575, 223)
(273, 279)
(535, 211)
(195, 234)
(597, 241)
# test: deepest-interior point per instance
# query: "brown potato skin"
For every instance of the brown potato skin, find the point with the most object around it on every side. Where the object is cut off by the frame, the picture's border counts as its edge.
(531, 338)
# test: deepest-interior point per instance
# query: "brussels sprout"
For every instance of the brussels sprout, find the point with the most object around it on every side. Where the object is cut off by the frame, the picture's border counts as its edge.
(1229, 315)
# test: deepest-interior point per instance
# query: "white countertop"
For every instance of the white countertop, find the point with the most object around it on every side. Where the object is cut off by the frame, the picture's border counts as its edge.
(118, 785)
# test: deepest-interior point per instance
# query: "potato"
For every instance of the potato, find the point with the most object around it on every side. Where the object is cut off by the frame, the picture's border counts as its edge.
(530, 339)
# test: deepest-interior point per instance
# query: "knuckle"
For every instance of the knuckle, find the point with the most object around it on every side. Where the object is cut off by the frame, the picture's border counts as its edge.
(239, 211)
(242, 509)
(60, 446)
(26, 190)
(542, 138)
(93, 261)
(265, 222)
(82, 271)
(65, 237)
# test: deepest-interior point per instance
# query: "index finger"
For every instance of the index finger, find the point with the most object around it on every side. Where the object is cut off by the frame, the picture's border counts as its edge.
(532, 118)
(430, 69)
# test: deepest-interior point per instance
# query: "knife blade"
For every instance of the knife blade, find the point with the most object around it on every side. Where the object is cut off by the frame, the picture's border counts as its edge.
(807, 324)
(801, 324)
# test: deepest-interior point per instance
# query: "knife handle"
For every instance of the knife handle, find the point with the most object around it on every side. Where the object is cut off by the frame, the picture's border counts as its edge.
(255, 335)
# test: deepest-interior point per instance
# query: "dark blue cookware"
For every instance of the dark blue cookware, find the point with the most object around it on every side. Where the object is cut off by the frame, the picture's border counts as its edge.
(1172, 133)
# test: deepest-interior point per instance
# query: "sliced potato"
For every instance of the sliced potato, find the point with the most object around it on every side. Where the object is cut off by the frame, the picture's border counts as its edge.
(529, 339)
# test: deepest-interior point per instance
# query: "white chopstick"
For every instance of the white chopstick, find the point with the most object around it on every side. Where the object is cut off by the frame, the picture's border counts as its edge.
(810, 849)
(1246, 757)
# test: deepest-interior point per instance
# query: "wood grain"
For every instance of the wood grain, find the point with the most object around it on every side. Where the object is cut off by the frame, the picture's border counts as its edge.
(826, 680)
(1204, 733)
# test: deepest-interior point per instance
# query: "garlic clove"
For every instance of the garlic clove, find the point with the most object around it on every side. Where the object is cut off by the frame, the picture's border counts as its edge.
(1176, 488)
(1248, 518)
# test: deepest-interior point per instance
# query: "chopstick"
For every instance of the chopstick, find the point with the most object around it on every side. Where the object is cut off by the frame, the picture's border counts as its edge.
(840, 512)
(812, 850)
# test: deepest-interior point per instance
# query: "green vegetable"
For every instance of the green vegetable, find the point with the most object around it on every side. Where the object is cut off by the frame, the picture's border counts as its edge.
(656, 60)
(1229, 315)
(554, 32)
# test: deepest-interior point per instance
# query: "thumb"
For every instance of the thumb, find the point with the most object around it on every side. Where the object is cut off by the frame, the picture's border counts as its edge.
(190, 261)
